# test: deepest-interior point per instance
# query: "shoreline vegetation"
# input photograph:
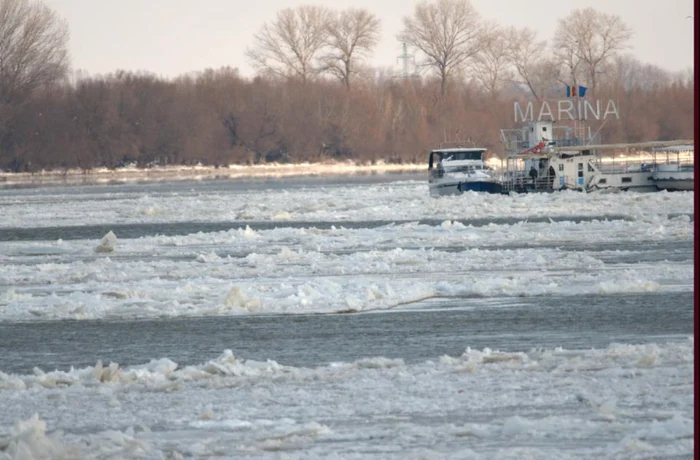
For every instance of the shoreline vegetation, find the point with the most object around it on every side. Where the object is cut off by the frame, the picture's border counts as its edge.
(197, 172)
(324, 102)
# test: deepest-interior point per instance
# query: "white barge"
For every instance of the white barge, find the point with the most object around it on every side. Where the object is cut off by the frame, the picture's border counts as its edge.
(542, 158)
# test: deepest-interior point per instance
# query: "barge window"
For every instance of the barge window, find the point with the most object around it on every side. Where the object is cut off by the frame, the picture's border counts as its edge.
(561, 166)
(603, 181)
(626, 179)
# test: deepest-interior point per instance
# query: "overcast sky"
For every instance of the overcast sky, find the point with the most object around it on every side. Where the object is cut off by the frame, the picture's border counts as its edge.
(171, 37)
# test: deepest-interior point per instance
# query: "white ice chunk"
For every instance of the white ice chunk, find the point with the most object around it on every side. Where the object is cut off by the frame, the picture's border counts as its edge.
(238, 299)
(29, 441)
(108, 243)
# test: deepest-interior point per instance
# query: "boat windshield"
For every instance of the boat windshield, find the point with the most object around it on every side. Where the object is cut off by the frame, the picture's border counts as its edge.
(445, 156)
(467, 155)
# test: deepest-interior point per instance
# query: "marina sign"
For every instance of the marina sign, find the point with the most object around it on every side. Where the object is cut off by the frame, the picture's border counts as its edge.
(565, 109)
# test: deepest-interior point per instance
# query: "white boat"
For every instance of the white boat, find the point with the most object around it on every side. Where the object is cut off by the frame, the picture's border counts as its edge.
(620, 175)
(455, 170)
(540, 160)
(675, 173)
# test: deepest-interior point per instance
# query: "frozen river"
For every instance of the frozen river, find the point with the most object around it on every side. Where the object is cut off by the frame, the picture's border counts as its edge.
(425, 331)
(353, 317)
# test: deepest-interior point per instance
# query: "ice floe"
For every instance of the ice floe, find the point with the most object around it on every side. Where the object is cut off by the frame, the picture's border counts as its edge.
(550, 402)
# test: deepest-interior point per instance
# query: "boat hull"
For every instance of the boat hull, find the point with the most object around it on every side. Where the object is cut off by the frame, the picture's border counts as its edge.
(457, 188)
(675, 180)
(675, 185)
(481, 186)
(626, 188)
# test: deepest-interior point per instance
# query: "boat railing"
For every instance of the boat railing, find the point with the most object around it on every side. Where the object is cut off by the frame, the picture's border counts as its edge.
(516, 140)
(620, 168)
(522, 183)
(517, 146)
(642, 161)
(681, 160)
(613, 165)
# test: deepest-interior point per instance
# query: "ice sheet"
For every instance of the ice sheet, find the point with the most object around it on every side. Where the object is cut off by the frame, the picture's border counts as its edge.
(395, 201)
(624, 401)
(302, 270)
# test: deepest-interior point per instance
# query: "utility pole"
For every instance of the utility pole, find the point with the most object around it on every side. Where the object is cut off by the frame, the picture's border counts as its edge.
(406, 59)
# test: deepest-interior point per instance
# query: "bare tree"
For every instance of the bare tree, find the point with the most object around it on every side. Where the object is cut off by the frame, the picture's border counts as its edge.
(590, 38)
(447, 32)
(289, 46)
(352, 35)
(629, 72)
(491, 64)
(33, 53)
(528, 56)
(569, 65)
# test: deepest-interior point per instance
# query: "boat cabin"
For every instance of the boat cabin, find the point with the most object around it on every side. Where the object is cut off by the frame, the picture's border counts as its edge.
(452, 171)
(455, 160)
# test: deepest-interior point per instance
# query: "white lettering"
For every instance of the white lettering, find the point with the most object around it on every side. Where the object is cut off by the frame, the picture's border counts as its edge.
(596, 113)
(545, 105)
(569, 110)
(566, 109)
(524, 117)
(611, 108)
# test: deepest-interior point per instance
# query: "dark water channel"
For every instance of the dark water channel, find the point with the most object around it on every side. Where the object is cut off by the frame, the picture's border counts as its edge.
(422, 332)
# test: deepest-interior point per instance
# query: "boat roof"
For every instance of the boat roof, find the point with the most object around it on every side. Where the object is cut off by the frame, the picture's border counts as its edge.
(676, 148)
(637, 145)
(657, 146)
(530, 156)
(460, 149)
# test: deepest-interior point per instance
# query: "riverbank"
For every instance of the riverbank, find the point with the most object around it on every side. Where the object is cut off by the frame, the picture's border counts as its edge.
(133, 174)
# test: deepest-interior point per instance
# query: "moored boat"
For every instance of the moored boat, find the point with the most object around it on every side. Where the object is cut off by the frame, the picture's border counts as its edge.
(540, 161)
(455, 170)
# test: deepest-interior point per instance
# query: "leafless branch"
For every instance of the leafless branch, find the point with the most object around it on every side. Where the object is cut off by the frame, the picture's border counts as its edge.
(447, 32)
(33, 48)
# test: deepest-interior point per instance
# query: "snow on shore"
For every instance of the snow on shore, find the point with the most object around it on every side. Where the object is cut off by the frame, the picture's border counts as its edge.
(132, 173)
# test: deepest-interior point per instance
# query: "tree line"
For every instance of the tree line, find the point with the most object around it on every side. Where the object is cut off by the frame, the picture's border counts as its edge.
(314, 98)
